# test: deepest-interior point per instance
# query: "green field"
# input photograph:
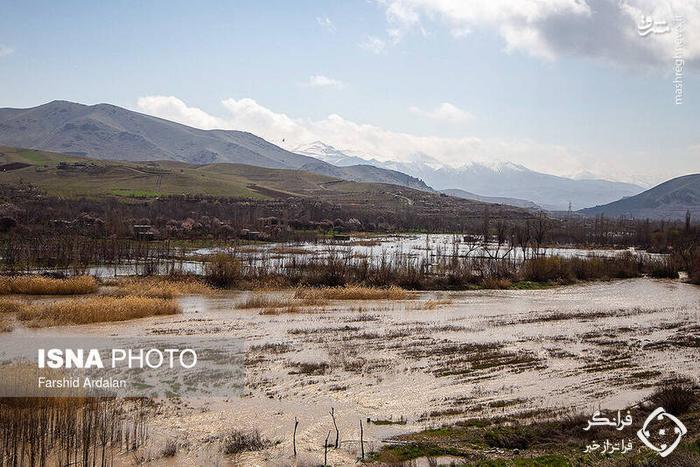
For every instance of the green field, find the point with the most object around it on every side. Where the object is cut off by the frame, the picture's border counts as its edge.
(72, 176)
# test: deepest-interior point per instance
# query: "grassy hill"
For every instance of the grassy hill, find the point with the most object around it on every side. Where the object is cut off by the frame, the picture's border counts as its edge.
(669, 200)
(80, 177)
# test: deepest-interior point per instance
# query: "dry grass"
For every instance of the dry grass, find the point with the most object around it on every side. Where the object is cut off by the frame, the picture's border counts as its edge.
(162, 287)
(12, 306)
(435, 303)
(262, 301)
(352, 293)
(40, 285)
(5, 324)
(278, 305)
(97, 310)
(279, 311)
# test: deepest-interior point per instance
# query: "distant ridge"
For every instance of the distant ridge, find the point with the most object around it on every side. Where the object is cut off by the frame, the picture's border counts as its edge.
(519, 203)
(669, 200)
(493, 179)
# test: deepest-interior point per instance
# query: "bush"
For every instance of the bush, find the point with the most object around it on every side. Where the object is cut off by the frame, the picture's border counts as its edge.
(222, 270)
(694, 273)
(237, 441)
(548, 269)
(170, 449)
(675, 397)
(664, 268)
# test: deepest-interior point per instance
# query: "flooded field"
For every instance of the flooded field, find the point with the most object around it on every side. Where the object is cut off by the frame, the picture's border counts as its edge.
(404, 365)
(375, 249)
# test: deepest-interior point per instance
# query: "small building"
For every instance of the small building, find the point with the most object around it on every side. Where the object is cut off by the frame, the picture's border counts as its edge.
(143, 232)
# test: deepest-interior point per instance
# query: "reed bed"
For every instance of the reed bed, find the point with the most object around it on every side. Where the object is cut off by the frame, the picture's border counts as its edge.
(70, 430)
(353, 292)
(41, 285)
(97, 310)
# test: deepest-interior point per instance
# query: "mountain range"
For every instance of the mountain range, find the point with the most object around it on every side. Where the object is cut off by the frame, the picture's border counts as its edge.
(503, 180)
(669, 200)
(289, 193)
(109, 132)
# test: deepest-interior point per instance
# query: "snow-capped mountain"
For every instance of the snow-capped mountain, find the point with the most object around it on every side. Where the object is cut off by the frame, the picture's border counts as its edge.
(502, 179)
(329, 154)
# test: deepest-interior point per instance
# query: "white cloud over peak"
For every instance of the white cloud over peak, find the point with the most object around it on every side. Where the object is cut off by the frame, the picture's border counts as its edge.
(321, 81)
(248, 115)
(444, 112)
(549, 29)
(5, 50)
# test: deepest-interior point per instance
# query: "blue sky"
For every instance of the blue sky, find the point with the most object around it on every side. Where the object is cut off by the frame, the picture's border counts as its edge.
(453, 80)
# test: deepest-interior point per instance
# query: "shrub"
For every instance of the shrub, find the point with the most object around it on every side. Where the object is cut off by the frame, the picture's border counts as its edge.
(222, 270)
(170, 449)
(664, 268)
(675, 397)
(547, 269)
(694, 273)
(237, 441)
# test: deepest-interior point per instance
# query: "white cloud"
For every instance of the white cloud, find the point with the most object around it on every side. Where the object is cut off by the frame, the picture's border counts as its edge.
(549, 29)
(321, 81)
(374, 44)
(326, 23)
(248, 115)
(5, 50)
(444, 112)
(172, 108)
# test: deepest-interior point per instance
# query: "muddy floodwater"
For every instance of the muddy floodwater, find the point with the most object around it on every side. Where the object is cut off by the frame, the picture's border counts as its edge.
(439, 357)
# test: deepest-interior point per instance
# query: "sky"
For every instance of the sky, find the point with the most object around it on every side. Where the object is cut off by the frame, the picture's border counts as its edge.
(568, 87)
